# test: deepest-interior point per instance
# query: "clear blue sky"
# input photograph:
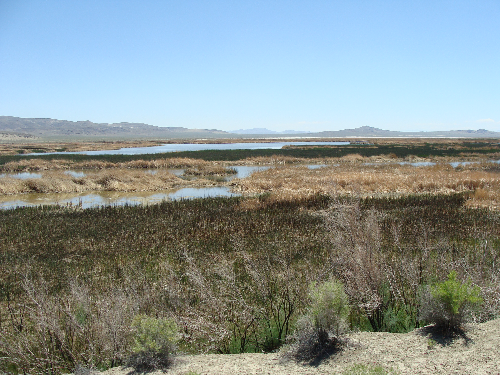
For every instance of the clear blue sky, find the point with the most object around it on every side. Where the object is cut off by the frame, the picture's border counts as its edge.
(304, 65)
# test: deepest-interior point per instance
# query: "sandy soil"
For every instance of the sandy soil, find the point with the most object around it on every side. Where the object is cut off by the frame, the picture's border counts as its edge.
(410, 353)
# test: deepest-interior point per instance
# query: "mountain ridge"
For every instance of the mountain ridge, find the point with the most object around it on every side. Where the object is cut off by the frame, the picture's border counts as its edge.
(53, 128)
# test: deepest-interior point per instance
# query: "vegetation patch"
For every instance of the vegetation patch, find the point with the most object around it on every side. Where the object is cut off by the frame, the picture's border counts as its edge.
(232, 273)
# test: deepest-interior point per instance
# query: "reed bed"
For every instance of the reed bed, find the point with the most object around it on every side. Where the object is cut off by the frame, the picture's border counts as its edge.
(123, 180)
(402, 149)
(104, 176)
(233, 273)
(367, 180)
(29, 165)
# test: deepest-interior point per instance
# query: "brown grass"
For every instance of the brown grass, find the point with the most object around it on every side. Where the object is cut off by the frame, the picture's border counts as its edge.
(369, 180)
(108, 180)
(44, 165)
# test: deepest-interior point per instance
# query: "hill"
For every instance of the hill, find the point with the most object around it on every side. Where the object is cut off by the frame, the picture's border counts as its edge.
(16, 128)
(51, 128)
(368, 131)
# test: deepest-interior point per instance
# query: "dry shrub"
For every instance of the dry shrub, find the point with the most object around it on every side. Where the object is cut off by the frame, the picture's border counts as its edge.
(490, 292)
(78, 327)
(352, 158)
(357, 256)
(244, 302)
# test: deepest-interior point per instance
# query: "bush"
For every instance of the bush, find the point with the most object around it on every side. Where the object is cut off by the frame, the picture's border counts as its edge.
(329, 307)
(368, 370)
(154, 343)
(449, 304)
(318, 332)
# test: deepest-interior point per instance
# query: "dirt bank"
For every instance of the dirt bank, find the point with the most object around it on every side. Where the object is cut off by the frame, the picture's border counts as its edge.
(417, 352)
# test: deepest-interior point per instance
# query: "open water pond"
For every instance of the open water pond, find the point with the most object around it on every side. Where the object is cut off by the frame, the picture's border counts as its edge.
(106, 198)
(176, 147)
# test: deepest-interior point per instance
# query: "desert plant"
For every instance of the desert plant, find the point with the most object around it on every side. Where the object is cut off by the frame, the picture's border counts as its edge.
(448, 304)
(319, 332)
(329, 307)
(431, 344)
(361, 369)
(154, 342)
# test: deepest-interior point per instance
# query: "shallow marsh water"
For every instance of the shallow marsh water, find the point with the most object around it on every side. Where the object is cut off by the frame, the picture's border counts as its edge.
(176, 147)
(105, 198)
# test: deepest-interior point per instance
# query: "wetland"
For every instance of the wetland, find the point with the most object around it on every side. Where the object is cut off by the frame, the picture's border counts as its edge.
(233, 272)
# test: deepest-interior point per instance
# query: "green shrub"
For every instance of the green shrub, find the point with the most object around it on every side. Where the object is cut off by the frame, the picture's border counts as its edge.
(319, 332)
(449, 304)
(329, 307)
(154, 342)
(368, 370)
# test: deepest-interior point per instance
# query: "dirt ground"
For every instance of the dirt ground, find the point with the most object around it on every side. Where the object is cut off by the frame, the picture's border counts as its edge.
(417, 352)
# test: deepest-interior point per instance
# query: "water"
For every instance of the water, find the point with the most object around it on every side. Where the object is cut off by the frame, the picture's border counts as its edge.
(75, 173)
(316, 166)
(21, 175)
(106, 198)
(197, 147)
(97, 199)
(243, 171)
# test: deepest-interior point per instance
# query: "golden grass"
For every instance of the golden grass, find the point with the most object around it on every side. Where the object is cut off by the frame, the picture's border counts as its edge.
(287, 180)
(372, 180)
(14, 148)
(28, 165)
(124, 180)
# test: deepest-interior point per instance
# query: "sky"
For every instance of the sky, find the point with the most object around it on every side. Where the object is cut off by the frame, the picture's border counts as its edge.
(308, 65)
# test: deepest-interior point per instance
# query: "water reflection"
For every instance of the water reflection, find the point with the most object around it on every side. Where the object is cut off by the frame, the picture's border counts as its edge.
(190, 193)
(21, 175)
(243, 171)
(106, 198)
(75, 173)
(176, 147)
(317, 166)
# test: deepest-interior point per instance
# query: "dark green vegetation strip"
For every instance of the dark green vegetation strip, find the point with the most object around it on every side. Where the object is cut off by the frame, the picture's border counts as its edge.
(420, 150)
(234, 272)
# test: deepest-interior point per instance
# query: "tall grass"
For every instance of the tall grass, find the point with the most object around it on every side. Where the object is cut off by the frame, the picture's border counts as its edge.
(399, 148)
(377, 180)
(232, 273)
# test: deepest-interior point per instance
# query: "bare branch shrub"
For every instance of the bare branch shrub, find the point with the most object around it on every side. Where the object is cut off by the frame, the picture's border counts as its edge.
(73, 328)
(357, 256)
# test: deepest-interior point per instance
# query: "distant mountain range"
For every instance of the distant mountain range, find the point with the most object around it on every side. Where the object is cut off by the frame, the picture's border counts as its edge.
(49, 128)
(371, 132)
(45, 128)
(265, 131)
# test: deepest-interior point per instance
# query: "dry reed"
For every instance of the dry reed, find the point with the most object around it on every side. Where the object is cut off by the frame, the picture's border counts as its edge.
(108, 180)
(374, 180)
